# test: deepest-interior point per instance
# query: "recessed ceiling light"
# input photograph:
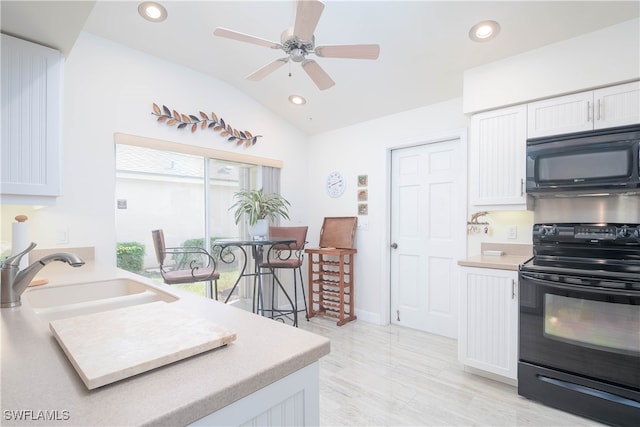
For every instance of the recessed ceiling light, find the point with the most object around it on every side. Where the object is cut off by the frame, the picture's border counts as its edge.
(152, 11)
(484, 31)
(297, 100)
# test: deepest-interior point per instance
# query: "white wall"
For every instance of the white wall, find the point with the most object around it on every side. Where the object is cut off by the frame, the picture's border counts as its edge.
(110, 88)
(364, 149)
(600, 58)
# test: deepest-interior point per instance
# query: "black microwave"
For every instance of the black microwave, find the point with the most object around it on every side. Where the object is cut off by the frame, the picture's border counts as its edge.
(587, 162)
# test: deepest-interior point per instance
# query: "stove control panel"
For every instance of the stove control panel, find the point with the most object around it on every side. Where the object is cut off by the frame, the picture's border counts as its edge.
(588, 233)
(597, 232)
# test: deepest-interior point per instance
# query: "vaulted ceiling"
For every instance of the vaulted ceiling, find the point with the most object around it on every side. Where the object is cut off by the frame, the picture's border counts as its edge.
(424, 45)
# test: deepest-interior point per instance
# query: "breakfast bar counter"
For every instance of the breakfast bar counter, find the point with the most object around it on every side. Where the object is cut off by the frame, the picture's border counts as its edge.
(39, 385)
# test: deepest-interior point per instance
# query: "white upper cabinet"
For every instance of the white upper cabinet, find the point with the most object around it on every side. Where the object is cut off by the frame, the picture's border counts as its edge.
(564, 114)
(602, 108)
(32, 79)
(498, 158)
(617, 106)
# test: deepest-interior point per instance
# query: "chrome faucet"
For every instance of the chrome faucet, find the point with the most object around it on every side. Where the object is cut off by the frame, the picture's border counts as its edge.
(14, 282)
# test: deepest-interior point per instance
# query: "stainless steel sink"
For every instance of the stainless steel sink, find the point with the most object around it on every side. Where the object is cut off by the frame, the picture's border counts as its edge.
(59, 302)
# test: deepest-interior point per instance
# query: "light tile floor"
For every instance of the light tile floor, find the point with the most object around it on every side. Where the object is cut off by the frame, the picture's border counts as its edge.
(391, 375)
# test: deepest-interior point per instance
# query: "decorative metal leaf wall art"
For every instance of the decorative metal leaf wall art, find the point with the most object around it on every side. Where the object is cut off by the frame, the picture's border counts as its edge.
(173, 118)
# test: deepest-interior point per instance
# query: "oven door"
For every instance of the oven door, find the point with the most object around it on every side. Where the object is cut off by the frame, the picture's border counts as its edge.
(580, 325)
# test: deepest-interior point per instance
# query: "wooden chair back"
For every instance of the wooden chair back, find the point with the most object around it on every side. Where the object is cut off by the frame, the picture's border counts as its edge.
(338, 232)
(298, 233)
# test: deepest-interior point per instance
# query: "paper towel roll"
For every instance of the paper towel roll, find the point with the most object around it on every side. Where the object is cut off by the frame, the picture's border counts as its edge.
(20, 239)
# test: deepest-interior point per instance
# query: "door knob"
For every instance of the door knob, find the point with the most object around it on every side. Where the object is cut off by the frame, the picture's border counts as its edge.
(394, 246)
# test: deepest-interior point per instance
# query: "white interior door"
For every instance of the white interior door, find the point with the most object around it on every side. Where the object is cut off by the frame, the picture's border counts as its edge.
(428, 235)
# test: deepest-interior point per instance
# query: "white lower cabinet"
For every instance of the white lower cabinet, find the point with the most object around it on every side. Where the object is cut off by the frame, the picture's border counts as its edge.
(488, 327)
(291, 401)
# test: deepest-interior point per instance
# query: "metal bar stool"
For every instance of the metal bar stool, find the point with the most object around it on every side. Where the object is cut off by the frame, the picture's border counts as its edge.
(287, 256)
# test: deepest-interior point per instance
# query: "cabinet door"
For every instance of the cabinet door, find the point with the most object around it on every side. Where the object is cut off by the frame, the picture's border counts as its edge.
(31, 116)
(498, 158)
(564, 114)
(617, 105)
(488, 335)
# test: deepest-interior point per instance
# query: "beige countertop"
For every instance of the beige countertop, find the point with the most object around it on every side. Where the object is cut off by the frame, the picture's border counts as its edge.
(37, 379)
(514, 255)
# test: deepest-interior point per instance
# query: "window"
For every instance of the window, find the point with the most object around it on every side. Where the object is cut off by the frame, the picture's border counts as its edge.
(164, 189)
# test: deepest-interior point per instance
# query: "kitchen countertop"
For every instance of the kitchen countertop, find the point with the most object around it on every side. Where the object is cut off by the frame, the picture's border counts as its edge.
(514, 255)
(37, 379)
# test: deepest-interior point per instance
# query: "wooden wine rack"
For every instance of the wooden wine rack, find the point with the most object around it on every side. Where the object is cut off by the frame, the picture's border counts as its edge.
(331, 280)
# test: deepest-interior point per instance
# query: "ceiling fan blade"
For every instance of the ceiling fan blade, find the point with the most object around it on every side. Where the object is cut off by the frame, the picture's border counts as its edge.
(234, 35)
(354, 51)
(307, 16)
(267, 69)
(317, 74)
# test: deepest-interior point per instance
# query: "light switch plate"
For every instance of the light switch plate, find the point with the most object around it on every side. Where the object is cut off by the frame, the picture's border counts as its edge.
(363, 223)
(62, 235)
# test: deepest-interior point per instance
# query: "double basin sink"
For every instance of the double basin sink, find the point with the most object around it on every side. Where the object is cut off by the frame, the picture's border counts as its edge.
(63, 301)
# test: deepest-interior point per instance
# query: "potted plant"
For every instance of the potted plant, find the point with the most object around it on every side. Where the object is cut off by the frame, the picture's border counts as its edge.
(257, 208)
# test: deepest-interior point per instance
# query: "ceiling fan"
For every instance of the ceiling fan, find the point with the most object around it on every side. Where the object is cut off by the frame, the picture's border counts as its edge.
(299, 41)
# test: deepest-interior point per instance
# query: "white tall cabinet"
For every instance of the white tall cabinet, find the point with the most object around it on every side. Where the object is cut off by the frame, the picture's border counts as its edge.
(32, 80)
(596, 109)
(497, 158)
(488, 331)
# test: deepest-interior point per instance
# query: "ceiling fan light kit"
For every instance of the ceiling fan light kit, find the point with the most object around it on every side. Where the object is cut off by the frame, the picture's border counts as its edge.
(298, 42)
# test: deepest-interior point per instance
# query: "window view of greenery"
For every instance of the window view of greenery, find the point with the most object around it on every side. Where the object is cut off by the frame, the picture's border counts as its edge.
(166, 190)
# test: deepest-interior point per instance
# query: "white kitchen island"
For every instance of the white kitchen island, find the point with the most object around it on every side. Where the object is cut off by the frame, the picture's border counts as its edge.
(269, 374)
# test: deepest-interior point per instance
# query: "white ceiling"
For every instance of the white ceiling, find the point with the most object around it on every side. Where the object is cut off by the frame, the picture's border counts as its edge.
(424, 45)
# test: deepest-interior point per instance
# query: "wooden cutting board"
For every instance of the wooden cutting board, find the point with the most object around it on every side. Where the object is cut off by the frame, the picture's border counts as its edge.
(112, 345)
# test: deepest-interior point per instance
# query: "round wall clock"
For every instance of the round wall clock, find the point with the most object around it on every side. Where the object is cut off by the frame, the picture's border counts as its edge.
(335, 184)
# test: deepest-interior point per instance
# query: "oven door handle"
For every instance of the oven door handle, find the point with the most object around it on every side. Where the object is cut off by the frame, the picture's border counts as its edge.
(593, 289)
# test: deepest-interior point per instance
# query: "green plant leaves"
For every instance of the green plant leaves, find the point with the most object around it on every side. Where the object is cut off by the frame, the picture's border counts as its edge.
(255, 204)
